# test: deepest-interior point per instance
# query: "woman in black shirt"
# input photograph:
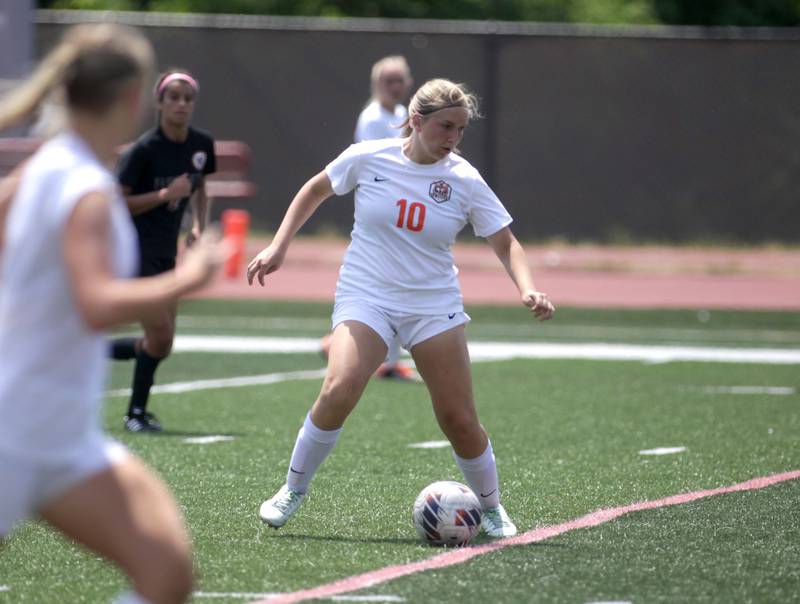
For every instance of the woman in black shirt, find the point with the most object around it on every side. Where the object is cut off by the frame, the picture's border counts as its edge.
(161, 173)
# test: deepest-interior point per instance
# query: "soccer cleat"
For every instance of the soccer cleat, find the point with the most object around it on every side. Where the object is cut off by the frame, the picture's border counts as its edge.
(399, 372)
(142, 422)
(497, 524)
(277, 510)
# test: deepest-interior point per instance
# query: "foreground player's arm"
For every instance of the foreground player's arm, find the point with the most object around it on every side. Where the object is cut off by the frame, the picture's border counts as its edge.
(8, 188)
(513, 257)
(304, 204)
(104, 300)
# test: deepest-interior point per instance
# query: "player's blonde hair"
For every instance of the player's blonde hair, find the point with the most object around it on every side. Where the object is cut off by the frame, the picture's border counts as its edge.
(384, 63)
(438, 94)
(89, 69)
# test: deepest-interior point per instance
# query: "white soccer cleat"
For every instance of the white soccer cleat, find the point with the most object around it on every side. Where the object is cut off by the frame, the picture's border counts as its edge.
(277, 510)
(497, 524)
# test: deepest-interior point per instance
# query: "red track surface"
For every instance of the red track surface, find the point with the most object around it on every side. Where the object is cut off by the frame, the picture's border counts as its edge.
(622, 277)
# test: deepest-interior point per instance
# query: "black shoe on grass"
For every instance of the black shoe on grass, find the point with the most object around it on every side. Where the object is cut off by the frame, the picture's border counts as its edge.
(142, 422)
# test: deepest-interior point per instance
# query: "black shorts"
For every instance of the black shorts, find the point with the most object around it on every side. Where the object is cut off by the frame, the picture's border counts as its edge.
(155, 266)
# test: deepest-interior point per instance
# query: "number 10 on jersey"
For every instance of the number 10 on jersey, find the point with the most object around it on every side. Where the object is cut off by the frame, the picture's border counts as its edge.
(414, 219)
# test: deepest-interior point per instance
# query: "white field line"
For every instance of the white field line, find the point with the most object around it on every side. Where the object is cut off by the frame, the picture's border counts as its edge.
(207, 440)
(772, 390)
(479, 351)
(662, 451)
(430, 444)
(244, 344)
(488, 351)
(234, 382)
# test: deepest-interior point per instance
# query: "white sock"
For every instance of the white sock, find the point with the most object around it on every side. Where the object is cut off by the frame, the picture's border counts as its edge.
(393, 354)
(481, 476)
(130, 597)
(310, 450)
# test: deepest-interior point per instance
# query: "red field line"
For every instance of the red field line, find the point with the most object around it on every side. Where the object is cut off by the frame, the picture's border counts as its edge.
(458, 556)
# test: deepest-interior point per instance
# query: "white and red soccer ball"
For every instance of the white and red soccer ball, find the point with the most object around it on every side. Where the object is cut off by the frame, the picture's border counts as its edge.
(446, 513)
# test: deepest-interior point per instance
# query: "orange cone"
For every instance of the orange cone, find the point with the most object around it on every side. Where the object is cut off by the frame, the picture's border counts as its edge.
(235, 224)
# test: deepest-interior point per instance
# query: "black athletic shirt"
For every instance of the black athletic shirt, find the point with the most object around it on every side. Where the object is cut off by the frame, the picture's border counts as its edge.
(150, 164)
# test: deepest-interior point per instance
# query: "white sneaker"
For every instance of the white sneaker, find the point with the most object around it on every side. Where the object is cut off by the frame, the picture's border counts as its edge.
(497, 524)
(277, 510)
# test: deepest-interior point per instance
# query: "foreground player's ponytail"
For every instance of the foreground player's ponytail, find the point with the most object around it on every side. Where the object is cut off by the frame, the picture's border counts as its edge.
(89, 70)
(438, 94)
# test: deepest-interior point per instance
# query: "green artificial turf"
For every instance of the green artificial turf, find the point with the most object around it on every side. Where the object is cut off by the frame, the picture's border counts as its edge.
(567, 436)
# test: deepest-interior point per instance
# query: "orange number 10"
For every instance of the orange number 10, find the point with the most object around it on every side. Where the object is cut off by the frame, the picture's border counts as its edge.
(416, 216)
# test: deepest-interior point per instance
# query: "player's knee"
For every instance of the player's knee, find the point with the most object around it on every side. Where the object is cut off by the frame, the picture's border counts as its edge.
(340, 391)
(460, 427)
(167, 575)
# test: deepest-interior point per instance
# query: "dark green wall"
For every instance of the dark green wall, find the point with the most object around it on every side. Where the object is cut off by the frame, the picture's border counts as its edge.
(587, 137)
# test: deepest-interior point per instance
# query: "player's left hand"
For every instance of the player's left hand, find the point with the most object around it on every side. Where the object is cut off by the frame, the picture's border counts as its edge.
(267, 261)
(541, 307)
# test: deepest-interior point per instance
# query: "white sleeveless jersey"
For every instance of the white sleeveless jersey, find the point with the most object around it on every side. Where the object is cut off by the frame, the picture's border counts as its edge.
(407, 216)
(54, 366)
(375, 122)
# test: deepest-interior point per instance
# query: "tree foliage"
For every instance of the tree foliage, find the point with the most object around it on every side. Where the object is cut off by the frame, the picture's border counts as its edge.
(776, 13)
(678, 12)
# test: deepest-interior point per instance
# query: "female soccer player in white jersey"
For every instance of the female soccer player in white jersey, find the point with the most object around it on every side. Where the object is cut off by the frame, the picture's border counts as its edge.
(68, 246)
(413, 195)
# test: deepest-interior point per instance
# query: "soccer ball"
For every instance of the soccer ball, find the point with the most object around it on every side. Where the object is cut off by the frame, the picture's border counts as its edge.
(446, 513)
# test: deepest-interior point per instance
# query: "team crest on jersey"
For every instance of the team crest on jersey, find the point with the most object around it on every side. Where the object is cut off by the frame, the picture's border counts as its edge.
(440, 191)
(199, 160)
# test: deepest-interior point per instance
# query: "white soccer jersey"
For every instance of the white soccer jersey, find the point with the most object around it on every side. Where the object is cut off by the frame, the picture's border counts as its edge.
(376, 122)
(54, 365)
(407, 216)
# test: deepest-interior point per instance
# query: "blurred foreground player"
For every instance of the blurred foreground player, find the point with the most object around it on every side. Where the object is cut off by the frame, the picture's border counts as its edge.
(68, 248)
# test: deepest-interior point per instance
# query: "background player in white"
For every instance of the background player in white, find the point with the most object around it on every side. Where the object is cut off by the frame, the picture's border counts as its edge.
(67, 246)
(413, 196)
(384, 114)
(383, 117)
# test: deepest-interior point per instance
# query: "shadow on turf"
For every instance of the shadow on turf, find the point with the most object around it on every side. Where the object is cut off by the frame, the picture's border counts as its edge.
(480, 540)
(336, 538)
(183, 433)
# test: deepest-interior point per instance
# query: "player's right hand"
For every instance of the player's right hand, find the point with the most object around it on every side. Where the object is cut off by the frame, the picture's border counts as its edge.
(267, 261)
(179, 188)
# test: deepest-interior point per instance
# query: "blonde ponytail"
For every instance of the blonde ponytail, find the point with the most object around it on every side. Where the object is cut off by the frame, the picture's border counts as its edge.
(23, 102)
(88, 70)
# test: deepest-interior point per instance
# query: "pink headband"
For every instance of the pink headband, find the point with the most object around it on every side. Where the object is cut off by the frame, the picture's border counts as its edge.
(173, 77)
